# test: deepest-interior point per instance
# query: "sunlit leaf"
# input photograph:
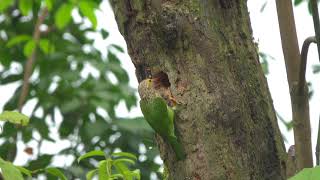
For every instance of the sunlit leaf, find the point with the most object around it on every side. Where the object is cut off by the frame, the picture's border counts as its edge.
(24, 170)
(91, 174)
(102, 172)
(46, 46)
(29, 48)
(87, 9)
(9, 171)
(5, 4)
(18, 39)
(124, 154)
(25, 6)
(14, 117)
(91, 154)
(49, 4)
(123, 160)
(63, 15)
(307, 174)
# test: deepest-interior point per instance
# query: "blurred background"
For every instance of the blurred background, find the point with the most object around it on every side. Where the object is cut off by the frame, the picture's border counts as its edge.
(83, 89)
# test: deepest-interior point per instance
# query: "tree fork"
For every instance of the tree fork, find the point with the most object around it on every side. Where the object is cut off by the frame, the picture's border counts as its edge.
(225, 118)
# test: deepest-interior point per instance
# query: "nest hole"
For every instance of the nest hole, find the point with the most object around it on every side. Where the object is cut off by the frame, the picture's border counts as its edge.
(162, 79)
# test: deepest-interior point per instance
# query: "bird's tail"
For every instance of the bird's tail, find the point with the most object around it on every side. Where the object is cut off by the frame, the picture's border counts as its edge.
(177, 148)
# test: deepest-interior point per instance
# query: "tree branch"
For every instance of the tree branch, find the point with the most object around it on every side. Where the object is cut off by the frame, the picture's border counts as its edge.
(31, 59)
(303, 63)
(299, 102)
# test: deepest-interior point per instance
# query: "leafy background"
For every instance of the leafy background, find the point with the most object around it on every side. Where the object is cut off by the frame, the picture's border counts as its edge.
(75, 88)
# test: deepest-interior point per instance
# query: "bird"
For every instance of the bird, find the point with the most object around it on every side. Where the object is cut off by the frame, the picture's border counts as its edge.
(158, 108)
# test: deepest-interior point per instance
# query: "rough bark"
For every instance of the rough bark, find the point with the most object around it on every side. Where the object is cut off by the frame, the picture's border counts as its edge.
(225, 118)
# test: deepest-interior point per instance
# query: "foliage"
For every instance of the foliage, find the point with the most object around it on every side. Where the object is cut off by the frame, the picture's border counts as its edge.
(298, 2)
(307, 174)
(9, 171)
(71, 80)
(14, 117)
(113, 167)
(264, 58)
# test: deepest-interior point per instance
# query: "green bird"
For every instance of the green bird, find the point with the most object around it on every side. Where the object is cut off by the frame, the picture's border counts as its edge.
(159, 115)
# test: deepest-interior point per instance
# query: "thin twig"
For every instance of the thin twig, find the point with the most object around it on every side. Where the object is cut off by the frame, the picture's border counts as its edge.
(303, 63)
(29, 64)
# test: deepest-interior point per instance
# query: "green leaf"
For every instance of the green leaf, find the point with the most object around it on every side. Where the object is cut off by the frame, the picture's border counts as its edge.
(24, 171)
(123, 160)
(6, 57)
(265, 67)
(103, 173)
(40, 163)
(117, 47)
(121, 168)
(90, 154)
(14, 117)
(104, 33)
(5, 4)
(56, 172)
(116, 176)
(297, 2)
(25, 6)
(263, 6)
(9, 171)
(63, 15)
(307, 174)
(124, 154)
(316, 68)
(18, 39)
(46, 46)
(29, 47)
(49, 4)
(26, 134)
(136, 174)
(41, 126)
(91, 174)
(87, 9)
(109, 166)
(10, 78)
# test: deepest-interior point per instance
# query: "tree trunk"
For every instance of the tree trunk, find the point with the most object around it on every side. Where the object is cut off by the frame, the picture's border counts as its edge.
(225, 117)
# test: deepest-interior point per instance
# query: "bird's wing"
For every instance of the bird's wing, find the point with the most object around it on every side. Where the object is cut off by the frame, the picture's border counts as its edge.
(156, 113)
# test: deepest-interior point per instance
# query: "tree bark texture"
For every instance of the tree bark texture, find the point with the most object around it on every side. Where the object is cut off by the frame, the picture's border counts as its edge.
(225, 117)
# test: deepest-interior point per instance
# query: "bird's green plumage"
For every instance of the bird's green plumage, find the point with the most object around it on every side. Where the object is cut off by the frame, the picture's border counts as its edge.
(161, 119)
